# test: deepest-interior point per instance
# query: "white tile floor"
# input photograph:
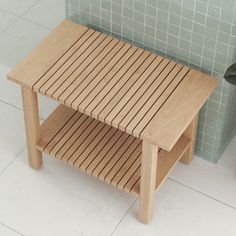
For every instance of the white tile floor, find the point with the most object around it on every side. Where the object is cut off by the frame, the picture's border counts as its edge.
(23, 23)
(199, 199)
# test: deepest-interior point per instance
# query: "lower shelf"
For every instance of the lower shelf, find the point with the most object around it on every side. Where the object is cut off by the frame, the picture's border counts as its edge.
(101, 150)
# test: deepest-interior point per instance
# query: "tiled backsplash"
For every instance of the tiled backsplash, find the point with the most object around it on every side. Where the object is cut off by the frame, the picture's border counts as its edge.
(201, 34)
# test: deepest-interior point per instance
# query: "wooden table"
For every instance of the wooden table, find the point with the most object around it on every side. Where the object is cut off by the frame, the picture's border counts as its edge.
(127, 116)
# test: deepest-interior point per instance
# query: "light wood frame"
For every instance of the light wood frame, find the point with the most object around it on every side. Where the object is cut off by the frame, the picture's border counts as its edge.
(132, 104)
(32, 127)
(149, 170)
(190, 133)
(148, 181)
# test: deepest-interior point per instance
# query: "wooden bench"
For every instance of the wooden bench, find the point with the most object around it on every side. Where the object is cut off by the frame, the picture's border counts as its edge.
(127, 116)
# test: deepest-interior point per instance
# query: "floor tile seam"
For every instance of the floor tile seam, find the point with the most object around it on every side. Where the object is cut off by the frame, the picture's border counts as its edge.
(11, 24)
(16, 157)
(12, 229)
(202, 193)
(10, 104)
(123, 217)
(35, 23)
(18, 108)
(28, 9)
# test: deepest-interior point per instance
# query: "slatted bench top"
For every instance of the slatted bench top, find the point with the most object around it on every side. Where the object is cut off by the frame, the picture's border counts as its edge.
(143, 94)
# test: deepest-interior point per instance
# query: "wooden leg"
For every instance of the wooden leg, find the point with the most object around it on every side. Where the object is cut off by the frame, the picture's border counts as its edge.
(148, 181)
(190, 132)
(32, 126)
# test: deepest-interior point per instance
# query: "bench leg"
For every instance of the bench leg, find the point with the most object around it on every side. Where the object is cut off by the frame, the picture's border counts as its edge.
(148, 181)
(32, 127)
(190, 132)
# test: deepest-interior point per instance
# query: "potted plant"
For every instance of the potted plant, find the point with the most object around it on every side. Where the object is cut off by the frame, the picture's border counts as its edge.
(230, 74)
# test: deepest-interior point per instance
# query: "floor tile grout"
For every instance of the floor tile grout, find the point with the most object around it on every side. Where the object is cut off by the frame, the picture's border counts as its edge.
(202, 193)
(18, 17)
(195, 190)
(16, 157)
(123, 217)
(29, 8)
(6, 11)
(7, 103)
(18, 108)
(12, 229)
(13, 22)
(23, 18)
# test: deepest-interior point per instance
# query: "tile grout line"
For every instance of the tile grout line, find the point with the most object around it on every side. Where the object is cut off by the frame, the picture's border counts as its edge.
(123, 218)
(7, 103)
(17, 16)
(6, 226)
(16, 157)
(13, 22)
(18, 108)
(21, 17)
(205, 194)
(195, 190)
(32, 22)
(29, 8)
(6, 11)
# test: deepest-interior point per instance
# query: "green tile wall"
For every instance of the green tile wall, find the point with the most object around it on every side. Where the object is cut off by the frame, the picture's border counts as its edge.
(200, 34)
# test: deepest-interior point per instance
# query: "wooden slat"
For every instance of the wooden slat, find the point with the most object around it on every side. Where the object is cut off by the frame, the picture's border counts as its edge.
(120, 162)
(57, 142)
(180, 109)
(98, 151)
(106, 151)
(144, 94)
(80, 146)
(65, 147)
(48, 130)
(126, 166)
(155, 104)
(103, 151)
(112, 108)
(133, 103)
(85, 68)
(97, 76)
(88, 44)
(80, 140)
(133, 91)
(156, 96)
(133, 180)
(96, 86)
(105, 57)
(112, 167)
(82, 61)
(79, 159)
(101, 99)
(62, 133)
(111, 79)
(65, 61)
(131, 170)
(133, 67)
(46, 54)
(115, 152)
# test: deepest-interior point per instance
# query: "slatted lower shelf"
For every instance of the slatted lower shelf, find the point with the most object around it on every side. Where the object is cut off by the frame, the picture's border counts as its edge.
(101, 150)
